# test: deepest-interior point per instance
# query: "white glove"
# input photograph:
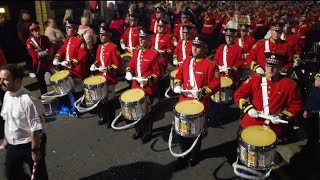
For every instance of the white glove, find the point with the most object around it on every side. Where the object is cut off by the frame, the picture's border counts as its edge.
(32, 75)
(93, 67)
(123, 46)
(55, 62)
(175, 62)
(103, 69)
(128, 76)
(253, 113)
(142, 81)
(275, 120)
(177, 89)
(259, 70)
(64, 63)
(175, 43)
(296, 62)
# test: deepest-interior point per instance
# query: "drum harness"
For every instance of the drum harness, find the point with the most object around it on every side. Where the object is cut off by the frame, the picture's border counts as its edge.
(190, 93)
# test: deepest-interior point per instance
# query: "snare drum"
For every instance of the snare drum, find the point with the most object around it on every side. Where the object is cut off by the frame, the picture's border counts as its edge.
(257, 147)
(95, 89)
(172, 76)
(61, 82)
(50, 105)
(189, 118)
(225, 94)
(125, 58)
(133, 104)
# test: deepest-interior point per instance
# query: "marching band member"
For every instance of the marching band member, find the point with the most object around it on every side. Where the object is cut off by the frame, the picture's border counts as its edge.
(294, 41)
(302, 28)
(185, 20)
(229, 56)
(144, 64)
(162, 42)
(130, 39)
(73, 54)
(107, 61)
(256, 58)
(184, 47)
(40, 49)
(272, 95)
(196, 73)
(245, 41)
(160, 14)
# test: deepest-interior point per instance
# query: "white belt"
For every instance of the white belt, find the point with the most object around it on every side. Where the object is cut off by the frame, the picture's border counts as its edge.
(208, 25)
(259, 25)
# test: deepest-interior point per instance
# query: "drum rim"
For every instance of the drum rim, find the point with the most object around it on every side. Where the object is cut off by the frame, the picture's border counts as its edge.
(127, 104)
(259, 148)
(61, 80)
(90, 87)
(183, 115)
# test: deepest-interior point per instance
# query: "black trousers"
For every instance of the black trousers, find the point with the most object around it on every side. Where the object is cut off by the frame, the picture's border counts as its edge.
(311, 125)
(106, 110)
(144, 126)
(185, 144)
(17, 155)
(41, 82)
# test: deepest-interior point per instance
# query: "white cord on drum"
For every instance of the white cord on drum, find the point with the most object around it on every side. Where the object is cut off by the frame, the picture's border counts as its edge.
(166, 93)
(82, 109)
(256, 174)
(123, 127)
(51, 94)
(187, 151)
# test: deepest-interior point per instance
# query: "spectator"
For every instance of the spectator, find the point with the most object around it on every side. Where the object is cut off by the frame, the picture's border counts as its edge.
(54, 34)
(109, 13)
(95, 21)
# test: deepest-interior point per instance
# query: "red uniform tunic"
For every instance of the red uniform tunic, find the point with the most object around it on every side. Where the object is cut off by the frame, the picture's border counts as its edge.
(162, 42)
(256, 54)
(209, 21)
(178, 51)
(74, 48)
(43, 64)
(294, 41)
(149, 66)
(205, 74)
(233, 58)
(282, 97)
(154, 27)
(108, 55)
(131, 35)
(177, 32)
(302, 29)
(246, 43)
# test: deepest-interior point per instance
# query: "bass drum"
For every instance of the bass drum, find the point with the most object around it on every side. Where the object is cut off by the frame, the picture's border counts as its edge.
(125, 59)
(257, 147)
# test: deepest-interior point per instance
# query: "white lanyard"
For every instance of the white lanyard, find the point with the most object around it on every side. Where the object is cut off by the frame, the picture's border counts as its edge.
(181, 32)
(267, 45)
(130, 40)
(67, 52)
(157, 41)
(192, 79)
(139, 63)
(265, 97)
(183, 49)
(224, 56)
(240, 42)
(155, 27)
(101, 55)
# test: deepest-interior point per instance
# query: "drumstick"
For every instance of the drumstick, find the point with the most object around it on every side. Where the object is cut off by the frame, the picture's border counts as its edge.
(140, 78)
(271, 118)
(192, 90)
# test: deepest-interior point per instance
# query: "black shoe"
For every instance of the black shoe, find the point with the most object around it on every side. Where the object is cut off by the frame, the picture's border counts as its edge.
(136, 135)
(145, 139)
(193, 161)
(102, 121)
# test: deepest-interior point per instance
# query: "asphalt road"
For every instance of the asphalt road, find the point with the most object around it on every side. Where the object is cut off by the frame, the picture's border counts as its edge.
(77, 148)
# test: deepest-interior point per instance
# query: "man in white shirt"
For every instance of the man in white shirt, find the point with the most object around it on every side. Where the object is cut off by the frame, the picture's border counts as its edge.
(24, 140)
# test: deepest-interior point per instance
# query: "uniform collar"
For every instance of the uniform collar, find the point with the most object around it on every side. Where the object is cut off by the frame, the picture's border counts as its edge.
(274, 79)
(273, 41)
(106, 43)
(17, 93)
(199, 59)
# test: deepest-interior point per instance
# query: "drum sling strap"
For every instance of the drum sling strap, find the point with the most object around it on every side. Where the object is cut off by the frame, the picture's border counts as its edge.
(67, 50)
(192, 79)
(265, 97)
(183, 47)
(180, 32)
(102, 57)
(267, 46)
(224, 56)
(156, 45)
(130, 38)
(240, 42)
(36, 45)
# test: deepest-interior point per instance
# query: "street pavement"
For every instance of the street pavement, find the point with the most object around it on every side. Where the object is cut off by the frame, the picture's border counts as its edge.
(77, 148)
